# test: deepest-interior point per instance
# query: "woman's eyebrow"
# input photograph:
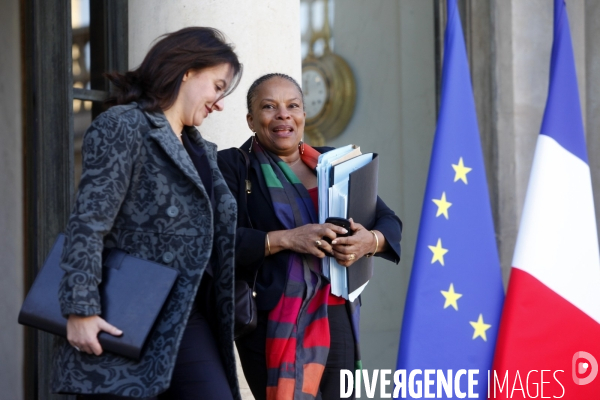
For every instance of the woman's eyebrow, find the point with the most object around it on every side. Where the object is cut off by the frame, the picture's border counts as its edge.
(269, 99)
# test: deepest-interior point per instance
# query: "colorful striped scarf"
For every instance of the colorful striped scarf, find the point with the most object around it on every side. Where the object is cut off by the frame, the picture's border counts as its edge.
(298, 329)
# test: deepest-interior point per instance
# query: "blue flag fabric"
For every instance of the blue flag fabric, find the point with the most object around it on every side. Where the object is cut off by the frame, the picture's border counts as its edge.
(455, 294)
(562, 118)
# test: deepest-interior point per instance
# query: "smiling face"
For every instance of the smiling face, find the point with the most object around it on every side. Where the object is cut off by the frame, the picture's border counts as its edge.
(278, 116)
(200, 94)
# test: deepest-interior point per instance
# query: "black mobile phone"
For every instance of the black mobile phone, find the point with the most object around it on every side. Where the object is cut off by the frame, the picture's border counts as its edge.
(343, 222)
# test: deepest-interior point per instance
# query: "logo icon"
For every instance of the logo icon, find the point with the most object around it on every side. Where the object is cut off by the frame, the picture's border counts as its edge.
(582, 368)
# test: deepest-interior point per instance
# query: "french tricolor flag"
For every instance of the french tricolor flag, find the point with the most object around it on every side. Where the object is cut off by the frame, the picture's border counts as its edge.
(551, 319)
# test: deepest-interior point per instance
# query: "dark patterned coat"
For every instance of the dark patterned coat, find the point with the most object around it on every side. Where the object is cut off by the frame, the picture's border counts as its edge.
(140, 192)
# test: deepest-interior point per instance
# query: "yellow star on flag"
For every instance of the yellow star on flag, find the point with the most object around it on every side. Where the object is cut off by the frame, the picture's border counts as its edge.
(438, 252)
(461, 171)
(480, 328)
(451, 297)
(442, 205)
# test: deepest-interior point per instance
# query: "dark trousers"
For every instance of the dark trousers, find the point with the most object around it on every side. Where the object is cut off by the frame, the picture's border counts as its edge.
(199, 373)
(341, 355)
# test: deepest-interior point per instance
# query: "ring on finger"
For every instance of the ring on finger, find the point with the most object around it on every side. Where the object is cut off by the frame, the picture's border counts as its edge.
(318, 243)
(351, 257)
(76, 348)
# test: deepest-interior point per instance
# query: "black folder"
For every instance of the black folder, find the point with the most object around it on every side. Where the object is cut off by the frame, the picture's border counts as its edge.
(133, 292)
(362, 205)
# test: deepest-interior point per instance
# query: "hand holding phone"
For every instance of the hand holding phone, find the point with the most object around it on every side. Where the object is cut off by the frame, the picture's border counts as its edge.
(343, 222)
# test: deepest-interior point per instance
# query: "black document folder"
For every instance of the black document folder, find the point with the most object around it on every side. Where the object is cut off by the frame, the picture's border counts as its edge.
(132, 293)
(362, 204)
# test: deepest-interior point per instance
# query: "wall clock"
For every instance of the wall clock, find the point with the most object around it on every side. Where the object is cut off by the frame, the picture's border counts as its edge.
(329, 95)
(329, 89)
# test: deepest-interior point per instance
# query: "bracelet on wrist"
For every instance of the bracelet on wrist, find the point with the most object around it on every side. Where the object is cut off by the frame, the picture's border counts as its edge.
(376, 245)
(268, 244)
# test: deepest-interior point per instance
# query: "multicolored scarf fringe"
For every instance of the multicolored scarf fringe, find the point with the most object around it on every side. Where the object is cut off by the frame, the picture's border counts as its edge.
(298, 329)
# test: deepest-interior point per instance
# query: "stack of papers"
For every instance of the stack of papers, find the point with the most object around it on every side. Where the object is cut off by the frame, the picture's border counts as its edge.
(336, 172)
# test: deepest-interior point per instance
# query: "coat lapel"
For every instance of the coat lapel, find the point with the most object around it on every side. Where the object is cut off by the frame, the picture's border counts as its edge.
(220, 187)
(255, 165)
(164, 136)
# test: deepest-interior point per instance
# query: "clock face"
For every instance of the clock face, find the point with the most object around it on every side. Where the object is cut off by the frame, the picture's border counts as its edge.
(315, 92)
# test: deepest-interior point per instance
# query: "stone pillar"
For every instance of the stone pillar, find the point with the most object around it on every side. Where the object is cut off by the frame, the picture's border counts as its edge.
(11, 204)
(531, 45)
(266, 35)
(592, 112)
(521, 60)
(503, 127)
(576, 9)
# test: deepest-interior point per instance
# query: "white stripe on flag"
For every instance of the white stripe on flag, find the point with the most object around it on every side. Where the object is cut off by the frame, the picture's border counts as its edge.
(558, 242)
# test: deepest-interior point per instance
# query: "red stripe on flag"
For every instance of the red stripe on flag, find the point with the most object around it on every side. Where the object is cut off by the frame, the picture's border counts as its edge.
(540, 330)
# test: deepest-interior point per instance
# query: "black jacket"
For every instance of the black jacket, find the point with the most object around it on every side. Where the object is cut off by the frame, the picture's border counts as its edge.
(256, 217)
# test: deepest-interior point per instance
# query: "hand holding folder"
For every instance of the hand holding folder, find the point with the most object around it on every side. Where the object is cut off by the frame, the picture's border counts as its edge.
(348, 189)
(133, 292)
(362, 204)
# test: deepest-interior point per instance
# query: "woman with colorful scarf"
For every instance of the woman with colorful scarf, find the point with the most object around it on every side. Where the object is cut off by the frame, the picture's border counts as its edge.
(305, 335)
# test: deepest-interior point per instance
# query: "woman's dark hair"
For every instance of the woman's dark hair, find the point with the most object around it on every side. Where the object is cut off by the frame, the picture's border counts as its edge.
(155, 83)
(254, 87)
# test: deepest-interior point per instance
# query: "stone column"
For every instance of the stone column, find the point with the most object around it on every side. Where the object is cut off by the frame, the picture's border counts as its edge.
(520, 83)
(11, 204)
(266, 35)
(503, 127)
(578, 22)
(592, 112)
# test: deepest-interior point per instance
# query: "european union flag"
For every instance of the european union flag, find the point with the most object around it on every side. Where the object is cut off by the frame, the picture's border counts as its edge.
(455, 293)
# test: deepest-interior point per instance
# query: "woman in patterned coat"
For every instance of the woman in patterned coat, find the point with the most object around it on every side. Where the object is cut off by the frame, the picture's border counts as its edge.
(151, 186)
